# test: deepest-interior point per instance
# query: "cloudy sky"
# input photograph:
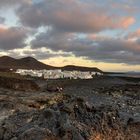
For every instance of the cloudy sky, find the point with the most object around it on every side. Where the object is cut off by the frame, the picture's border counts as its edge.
(101, 33)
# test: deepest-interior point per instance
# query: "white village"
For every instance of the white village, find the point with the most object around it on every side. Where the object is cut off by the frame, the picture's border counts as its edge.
(59, 74)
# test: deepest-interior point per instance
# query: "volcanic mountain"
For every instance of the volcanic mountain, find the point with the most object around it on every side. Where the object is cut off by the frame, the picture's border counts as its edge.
(7, 62)
(80, 68)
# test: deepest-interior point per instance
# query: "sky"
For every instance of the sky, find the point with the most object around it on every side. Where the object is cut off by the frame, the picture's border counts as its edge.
(93, 33)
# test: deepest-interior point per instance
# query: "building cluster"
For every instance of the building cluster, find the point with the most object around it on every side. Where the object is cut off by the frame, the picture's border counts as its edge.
(58, 73)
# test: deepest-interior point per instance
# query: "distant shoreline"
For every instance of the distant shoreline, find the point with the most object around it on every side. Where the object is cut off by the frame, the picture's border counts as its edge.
(121, 74)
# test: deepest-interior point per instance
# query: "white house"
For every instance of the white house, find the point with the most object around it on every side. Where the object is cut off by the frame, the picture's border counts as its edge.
(58, 73)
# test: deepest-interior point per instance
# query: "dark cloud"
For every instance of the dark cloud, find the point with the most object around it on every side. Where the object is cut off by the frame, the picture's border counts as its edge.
(12, 38)
(41, 54)
(99, 49)
(13, 3)
(71, 16)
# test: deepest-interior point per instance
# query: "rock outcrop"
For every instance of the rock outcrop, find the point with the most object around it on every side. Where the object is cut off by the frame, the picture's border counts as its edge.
(18, 84)
(66, 117)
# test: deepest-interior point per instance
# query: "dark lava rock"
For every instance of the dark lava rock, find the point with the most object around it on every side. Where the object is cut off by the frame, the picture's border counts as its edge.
(71, 119)
(18, 84)
(36, 133)
(54, 88)
(5, 104)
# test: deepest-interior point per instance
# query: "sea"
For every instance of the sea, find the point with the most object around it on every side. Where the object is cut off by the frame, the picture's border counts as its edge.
(135, 75)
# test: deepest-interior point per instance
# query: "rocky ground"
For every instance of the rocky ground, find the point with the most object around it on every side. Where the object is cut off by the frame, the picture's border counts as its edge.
(18, 84)
(103, 108)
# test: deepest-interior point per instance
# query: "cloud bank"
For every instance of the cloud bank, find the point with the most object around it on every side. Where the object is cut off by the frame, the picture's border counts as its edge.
(74, 27)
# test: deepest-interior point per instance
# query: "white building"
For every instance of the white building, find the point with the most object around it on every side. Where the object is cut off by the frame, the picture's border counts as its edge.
(58, 73)
(52, 74)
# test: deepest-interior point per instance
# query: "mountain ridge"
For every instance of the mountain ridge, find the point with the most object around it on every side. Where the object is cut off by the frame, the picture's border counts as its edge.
(7, 62)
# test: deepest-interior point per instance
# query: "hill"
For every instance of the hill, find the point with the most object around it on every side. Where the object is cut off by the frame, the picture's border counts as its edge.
(80, 68)
(7, 62)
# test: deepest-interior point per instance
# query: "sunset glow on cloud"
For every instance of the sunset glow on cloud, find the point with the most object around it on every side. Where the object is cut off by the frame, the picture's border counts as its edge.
(91, 33)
